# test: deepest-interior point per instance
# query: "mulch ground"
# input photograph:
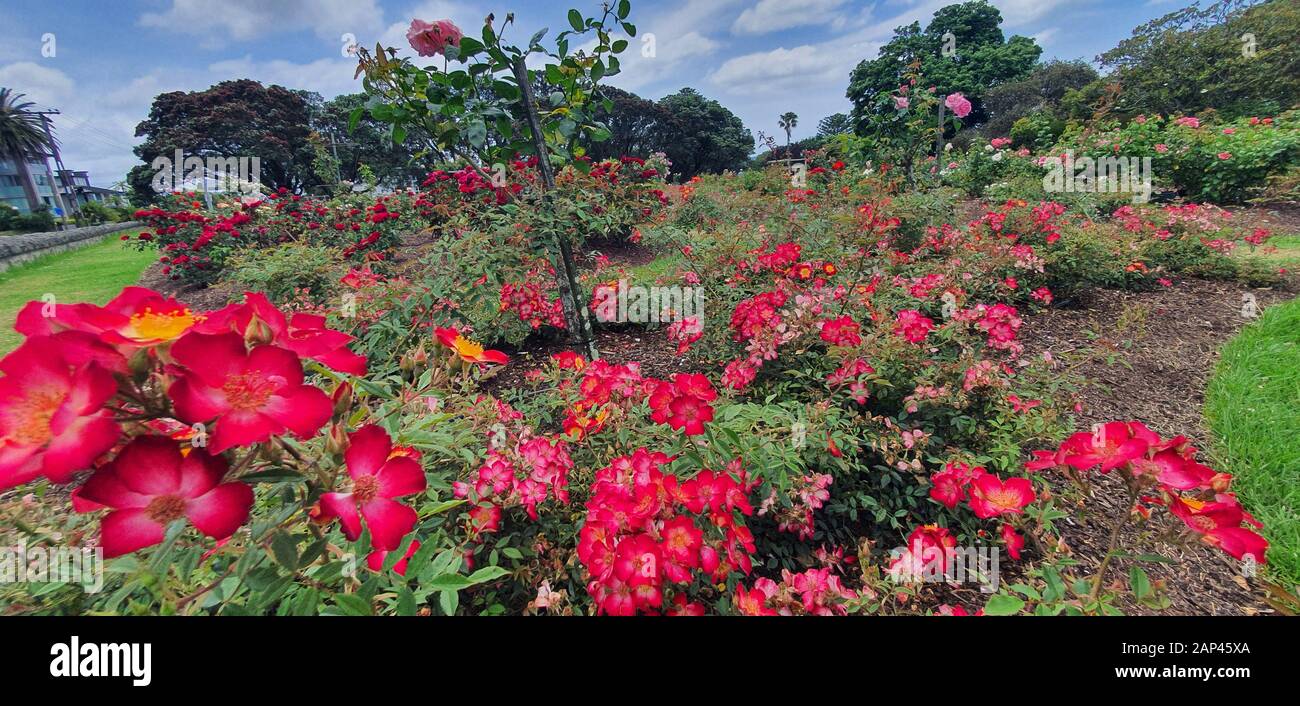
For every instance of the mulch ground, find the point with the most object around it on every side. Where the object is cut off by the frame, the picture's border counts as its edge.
(1147, 356)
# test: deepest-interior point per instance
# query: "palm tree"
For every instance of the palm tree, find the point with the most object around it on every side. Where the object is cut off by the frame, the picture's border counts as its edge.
(22, 137)
(788, 121)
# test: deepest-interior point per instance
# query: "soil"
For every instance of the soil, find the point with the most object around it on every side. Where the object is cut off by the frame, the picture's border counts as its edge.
(1147, 356)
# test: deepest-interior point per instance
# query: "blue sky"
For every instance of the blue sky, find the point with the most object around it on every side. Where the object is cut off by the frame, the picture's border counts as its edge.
(760, 58)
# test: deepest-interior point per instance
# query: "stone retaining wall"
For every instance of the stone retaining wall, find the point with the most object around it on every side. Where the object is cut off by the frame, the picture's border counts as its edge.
(28, 246)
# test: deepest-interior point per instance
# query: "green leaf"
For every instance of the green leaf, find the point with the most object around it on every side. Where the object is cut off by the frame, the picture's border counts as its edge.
(449, 600)
(352, 604)
(1139, 582)
(538, 37)
(355, 118)
(624, 9)
(447, 582)
(285, 550)
(477, 133)
(405, 601)
(1003, 604)
(619, 46)
(575, 19)
(487, 573)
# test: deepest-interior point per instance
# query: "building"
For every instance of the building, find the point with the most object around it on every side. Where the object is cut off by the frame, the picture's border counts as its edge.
(11, 185)
(75, 187)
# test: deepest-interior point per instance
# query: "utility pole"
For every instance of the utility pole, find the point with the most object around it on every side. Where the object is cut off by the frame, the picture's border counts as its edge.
(62, 183)
(338, 166)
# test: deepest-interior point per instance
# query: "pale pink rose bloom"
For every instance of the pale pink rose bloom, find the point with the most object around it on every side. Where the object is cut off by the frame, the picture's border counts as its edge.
(432, 38)
(958, 104)
(901, 102)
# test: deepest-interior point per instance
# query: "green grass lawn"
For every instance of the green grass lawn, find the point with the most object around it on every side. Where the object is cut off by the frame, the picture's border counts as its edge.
(95, 273)
(1253, 408)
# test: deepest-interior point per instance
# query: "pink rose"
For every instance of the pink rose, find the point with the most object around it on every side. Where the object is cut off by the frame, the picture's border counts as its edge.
(432, 38)
(901, 102)
(1225, 155)
(958, 104)
(1162, 148)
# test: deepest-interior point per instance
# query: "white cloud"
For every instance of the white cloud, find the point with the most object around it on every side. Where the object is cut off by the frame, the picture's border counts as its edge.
(673, 53)
(249, 19)
(1044, 37)
(328, 77)
(41, 84)
(1017, 13)
(802, 70)
(772, 15)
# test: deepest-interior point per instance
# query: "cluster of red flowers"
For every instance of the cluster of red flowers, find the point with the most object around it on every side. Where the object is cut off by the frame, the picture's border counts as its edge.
(812, 592)
(988, 495)
(756, 313)
(529, 299)
(1002, 323)
(235, 375)
(843, 331)
(603, 388)
(1169, 475)
(913, 325)
(647, 530)
(683, 403)
(525, 472)
(194, 244)
(930, 551)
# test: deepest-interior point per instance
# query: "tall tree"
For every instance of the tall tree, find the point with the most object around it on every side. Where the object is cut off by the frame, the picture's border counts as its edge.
(703, 136)
(369, 143)
(1238, 56)
(962, 50)
(637, 126)
(22, 138)
(834, 124)
(240, 118)
(788, 122)
(1042, 90)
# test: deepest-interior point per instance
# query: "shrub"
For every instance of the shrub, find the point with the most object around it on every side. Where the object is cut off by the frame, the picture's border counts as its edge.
(293, 272)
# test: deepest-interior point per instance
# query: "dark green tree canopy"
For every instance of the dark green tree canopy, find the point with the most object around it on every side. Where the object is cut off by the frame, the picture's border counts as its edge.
(638, 127)
(239, 118)
(703, 136)
(368, 144)
(1041, 90)
(980, 58)
(834, 124)
(1238, 56)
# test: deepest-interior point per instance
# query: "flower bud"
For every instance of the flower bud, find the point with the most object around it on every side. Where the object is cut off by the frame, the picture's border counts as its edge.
(258, 333)
(337, 441)
(342, 399)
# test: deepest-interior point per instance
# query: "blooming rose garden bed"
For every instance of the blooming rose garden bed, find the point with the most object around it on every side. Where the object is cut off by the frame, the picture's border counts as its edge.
(390, 404)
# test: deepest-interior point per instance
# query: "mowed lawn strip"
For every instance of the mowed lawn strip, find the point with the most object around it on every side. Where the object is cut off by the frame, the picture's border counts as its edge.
(94, 273)
(1253, 409)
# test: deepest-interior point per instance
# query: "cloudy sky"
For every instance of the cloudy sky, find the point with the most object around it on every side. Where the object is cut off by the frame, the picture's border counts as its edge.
(760, 58)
